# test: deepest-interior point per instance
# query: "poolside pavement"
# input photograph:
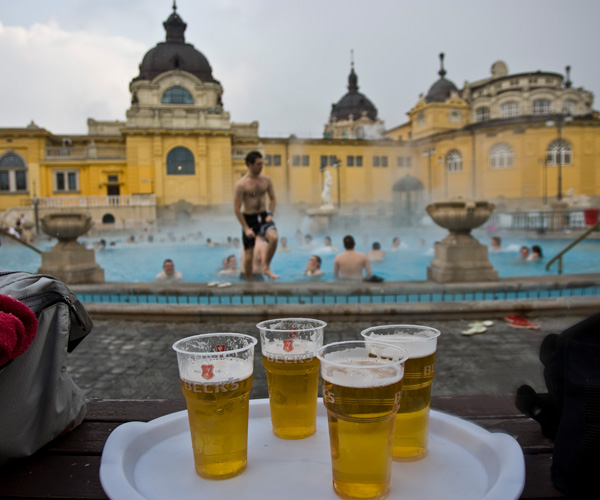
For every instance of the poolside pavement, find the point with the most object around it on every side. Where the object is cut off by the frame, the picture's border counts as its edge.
(134, 359)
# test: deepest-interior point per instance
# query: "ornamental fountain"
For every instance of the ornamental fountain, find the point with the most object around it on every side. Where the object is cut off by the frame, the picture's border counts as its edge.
(459, 257)
(69, 261)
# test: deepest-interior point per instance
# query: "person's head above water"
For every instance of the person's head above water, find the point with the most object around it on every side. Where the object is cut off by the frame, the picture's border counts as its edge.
(349, 242)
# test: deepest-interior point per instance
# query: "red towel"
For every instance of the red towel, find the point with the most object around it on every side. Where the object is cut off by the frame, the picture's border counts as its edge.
(18, 326)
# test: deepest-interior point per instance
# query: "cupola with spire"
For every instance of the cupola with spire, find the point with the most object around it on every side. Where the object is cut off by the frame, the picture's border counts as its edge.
(441, 90)
(354, 116)
(175, 54)
(353, 103)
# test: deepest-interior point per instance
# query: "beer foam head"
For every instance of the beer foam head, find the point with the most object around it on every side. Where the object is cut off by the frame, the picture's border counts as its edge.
(215, 371)
(214, 358)
(415, 340)
(287, 327)
(290, 347)
(358, 367)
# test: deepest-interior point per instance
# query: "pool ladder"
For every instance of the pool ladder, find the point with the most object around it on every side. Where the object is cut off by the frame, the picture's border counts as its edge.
(559, 256)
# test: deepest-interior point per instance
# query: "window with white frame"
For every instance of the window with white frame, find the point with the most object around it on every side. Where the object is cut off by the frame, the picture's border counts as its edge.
(454, 161)
(509, 109)
(482, 114)
(570, 107)
(559, 151)
(13, 174)
(501, 156)
(421, 119)
(542, 107)
(66, 181)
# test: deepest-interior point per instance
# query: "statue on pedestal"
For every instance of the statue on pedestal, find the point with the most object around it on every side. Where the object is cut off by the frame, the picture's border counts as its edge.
(326, 194)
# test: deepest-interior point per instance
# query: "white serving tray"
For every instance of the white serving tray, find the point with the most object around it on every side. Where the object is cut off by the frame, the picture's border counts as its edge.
(153, 460)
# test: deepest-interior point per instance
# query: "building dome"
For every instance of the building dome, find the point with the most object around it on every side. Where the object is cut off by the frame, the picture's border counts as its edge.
(174, 54)
(442, 89)
(353, 103)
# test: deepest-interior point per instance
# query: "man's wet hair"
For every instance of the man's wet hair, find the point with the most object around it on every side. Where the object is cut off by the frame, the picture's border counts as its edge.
(376, 245)
(349, 242)
(252, 157)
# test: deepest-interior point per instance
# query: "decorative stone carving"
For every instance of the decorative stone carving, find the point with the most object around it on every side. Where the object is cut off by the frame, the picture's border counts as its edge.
(459, 257)
(69, 260)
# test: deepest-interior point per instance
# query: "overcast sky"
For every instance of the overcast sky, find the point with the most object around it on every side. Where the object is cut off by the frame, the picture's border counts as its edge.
(281, 62)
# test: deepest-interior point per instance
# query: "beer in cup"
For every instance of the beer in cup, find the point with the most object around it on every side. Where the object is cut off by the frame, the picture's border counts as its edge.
(289, 348)
(412, 420)
(361, 392)
(216, 377)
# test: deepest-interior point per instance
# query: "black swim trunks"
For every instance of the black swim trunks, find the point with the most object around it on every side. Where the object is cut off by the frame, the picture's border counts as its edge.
(257, 223)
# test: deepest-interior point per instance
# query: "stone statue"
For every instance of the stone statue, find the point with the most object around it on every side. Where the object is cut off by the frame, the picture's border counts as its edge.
(326, 194)
(574, 200)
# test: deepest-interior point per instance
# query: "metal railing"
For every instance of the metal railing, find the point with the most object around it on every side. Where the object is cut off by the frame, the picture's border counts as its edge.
(85, 153)
(142, 200)
(19, 240)
(559, 256)
(540, 221)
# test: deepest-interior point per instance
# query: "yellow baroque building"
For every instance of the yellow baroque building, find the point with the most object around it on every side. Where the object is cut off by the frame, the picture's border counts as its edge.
(519, 140)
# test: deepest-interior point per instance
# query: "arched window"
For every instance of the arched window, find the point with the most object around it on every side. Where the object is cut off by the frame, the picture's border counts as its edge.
(559, 151)
(510, 109)
(177, 95)
(13, 173)
(482, 114)
(501, 156)
(108, 219)
(180, 161)
(541, 107)
(454, 161)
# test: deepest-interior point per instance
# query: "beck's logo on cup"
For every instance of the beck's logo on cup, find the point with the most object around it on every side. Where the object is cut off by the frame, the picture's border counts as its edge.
(293, 333)
(288, 345)
(207, 372)
(220, 347)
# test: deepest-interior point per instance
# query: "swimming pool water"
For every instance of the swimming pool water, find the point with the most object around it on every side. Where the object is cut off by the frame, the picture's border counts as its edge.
(140, 262)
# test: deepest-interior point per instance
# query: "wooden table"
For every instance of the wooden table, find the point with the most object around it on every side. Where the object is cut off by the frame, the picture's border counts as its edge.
(68, 468)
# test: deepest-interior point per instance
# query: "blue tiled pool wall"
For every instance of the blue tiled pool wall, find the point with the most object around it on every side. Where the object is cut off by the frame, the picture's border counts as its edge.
(240, 299)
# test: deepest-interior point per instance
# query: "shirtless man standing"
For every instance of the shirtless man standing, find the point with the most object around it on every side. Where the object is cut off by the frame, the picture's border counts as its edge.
(250, 193)
(350, 264)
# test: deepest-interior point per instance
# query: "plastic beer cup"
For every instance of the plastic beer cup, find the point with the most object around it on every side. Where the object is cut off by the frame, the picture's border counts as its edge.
(216, 377)
(361, 392)
(412, 420)
(289, 348)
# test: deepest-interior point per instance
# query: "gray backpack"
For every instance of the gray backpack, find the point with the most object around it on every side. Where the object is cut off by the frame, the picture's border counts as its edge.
(38, 399)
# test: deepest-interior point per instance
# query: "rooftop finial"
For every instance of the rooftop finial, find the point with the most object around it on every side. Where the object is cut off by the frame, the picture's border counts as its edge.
(442, 71)
(568, 82)
(174, 6)
(352, 78)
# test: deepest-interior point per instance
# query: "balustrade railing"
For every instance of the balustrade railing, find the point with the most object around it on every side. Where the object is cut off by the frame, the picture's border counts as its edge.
(85, 153)
(143, 200)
